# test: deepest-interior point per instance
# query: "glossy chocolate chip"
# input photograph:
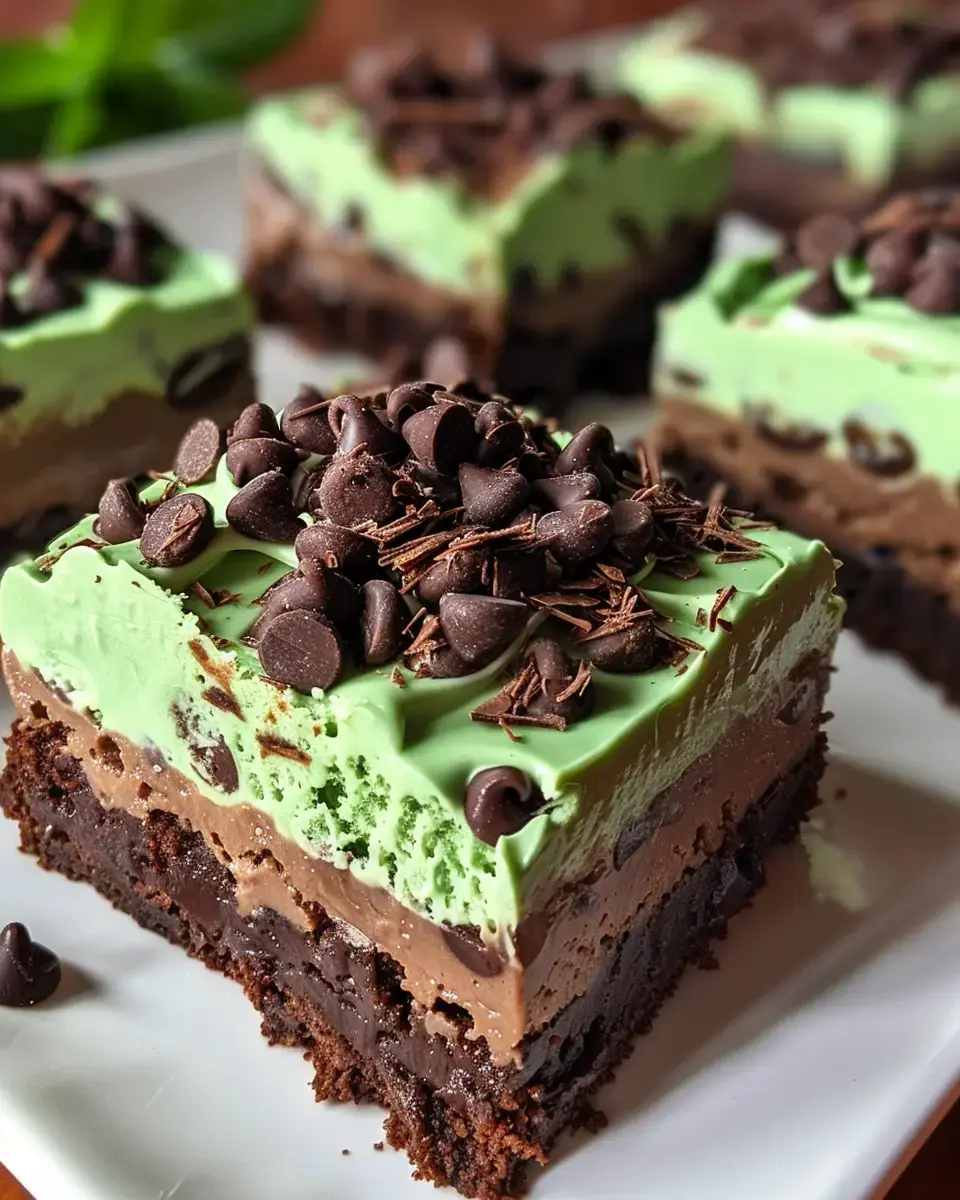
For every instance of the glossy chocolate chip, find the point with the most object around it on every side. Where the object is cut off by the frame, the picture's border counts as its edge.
(625, 652)
(305, 422)
(499, 801)
(317, 589)
(338, 547)
(577, 533)
(358, 488)
(442, 436)
(464, 571)
(29, 972)
(255, 421)
(881, 453)
(478, 628)
(385, 616)
(633, 531)
(364, 428)
(263, 509)
(199, 452)
(177, 530)
(491, 497)
(502, 436)
(120, 514)
(404, 401)
(823, 297)
(590, 450)
(250, 457)
(302, 649)
(560, 490)
(521, 573)
(206, 375)
(826, 237)
(556, 672)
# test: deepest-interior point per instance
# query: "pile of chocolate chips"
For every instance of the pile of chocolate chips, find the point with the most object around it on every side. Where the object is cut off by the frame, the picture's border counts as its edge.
(444, 521)
(911, 247)
(52, 231)
(844, 43)
(484, 113)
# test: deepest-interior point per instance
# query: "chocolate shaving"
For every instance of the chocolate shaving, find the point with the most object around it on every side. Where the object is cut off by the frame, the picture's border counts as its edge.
(724, 596)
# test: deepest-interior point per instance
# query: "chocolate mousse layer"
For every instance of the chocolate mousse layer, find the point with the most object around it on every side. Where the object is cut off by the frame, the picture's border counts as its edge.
(322, 985)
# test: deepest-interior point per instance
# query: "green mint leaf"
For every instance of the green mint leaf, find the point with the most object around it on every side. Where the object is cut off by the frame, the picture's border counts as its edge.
(32, 73)
(75, 126)
(232, 35)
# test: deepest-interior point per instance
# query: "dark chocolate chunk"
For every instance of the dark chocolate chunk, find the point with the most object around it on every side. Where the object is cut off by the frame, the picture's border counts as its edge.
(358, 488)
(217, 763)
(478, 628)
(177, 530)
(577, 533)
(364, 428)
(466, 944)
(890, 260)
(317, 589)
(881, 453)
(199, 452)
(824, 238)
(556, 673)
(499, 801)
(442, 436)
(788, 435)
(263, 509)
(255, 456)
(463, 571)
(625, 651)
(521, 573)
(131, 259)
(633, 531)
(29, 972)
(305, 422)
(385, 616)
(591, 450)
(823, 297)
(405, 400)
(937, 289)
(491, 497)
(302, 649)
(120, 515)
(255, 421)
(336, 546)
(206, 375)
(560, 490)
(502, 436)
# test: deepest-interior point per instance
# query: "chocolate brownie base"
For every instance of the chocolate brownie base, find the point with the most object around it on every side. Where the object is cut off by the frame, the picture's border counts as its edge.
(461, 1120)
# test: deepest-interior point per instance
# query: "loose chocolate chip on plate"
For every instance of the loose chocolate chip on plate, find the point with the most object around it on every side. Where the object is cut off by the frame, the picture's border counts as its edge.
(306, 422)
(363, 428)
(881, 453)
(560, 490)
(120, 514)
(345, 549)
(263, 509)
(823, 297)
(207, 374)
(499, 801)
(385, 616)
(255, 421)
(491, 497)
(824, 238)
(301, 649)
(358, 488)
(199, 452)
(625, 651)
(177, 530)
(29, 972)
(405, 400)
(464, 571)
(633, 531)
(442, 436)
(578, 532)
(478, 628)
(255, 456)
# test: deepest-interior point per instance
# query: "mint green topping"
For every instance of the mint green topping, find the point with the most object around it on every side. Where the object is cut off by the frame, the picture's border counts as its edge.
(72, 363)
(867, 129)
(564, 211)
(882, 362)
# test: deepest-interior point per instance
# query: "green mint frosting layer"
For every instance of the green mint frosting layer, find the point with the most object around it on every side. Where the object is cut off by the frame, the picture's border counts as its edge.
(71, 364)
(564, 211)
(381, 791)
(868, 130)
(883, 362)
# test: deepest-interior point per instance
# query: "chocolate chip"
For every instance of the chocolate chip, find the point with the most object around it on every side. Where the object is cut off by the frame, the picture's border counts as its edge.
(306, 492)
(466, 945)
(589, 450)
(346, 403)
(442, 436)
(385, 616)
(263, 509)
(217, 763)
(886, 454)
(363, 428)
(120, 514)
(317, 589)
(306, 423)
(255, 421)
(502, 436)
(491, 498)
(462, 572)
(633, 531)
(358, 488)
(350, 552)
(560, 490)
(788, 435)
(446, 664)
(478, 628)
(48, 292)
(301, 649)
(206, 375)
(199, 452)
(521, 573)
(937, 289)
(556, 672)
(131, 259)
(255, 456)
(577, 533)
(626, 651)
(499, 801)
(29, 972)
(890, 259)
(405, 400)
(824, 238)
(823, 296)
(177, 530)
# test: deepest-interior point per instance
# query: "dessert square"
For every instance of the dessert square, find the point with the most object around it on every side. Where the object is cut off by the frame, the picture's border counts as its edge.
(821, 384)
(834, 104)
(466, 737)
(112, 340)
(485, 200)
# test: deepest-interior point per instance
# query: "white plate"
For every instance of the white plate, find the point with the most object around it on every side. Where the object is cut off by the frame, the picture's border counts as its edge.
(800, 1070)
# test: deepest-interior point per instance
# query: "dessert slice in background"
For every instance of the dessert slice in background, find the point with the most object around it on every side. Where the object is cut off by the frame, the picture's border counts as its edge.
(833, 104)
(483, 199)
(466, 737)
(112, 340)
(823, 385)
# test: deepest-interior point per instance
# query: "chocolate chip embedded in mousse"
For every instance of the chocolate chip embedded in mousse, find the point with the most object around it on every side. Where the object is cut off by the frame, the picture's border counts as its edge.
(120, 514)
(464, 571)
(521, 573)
(557, 672)
(305, 422)
(633, 531)
(499, 801)
(466, 945)
(881, 453)
(592, 450)
(207, 374)
(788, 435)
(177, 530)
(560, 490)
(255, 421)
(341, 548)
(199, 452)
(491, 497)
(441, 436)
(577, 533)
(826, 237)
(263, 509)
(890, 260)
(823, 297)
(385, 616)
(364, 428)
(301, 649)
(29, 972)
(478, 628)
(358, 488)
(217, 764)
(502, 437)
(405, 400)
(937, 288)
(625, 651)
(251, 457)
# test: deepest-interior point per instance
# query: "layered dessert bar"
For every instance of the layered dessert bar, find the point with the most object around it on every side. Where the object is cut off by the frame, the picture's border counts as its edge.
(112, 340)
(834, 104)
(465, 737)
(821, 384)
(482, 199)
